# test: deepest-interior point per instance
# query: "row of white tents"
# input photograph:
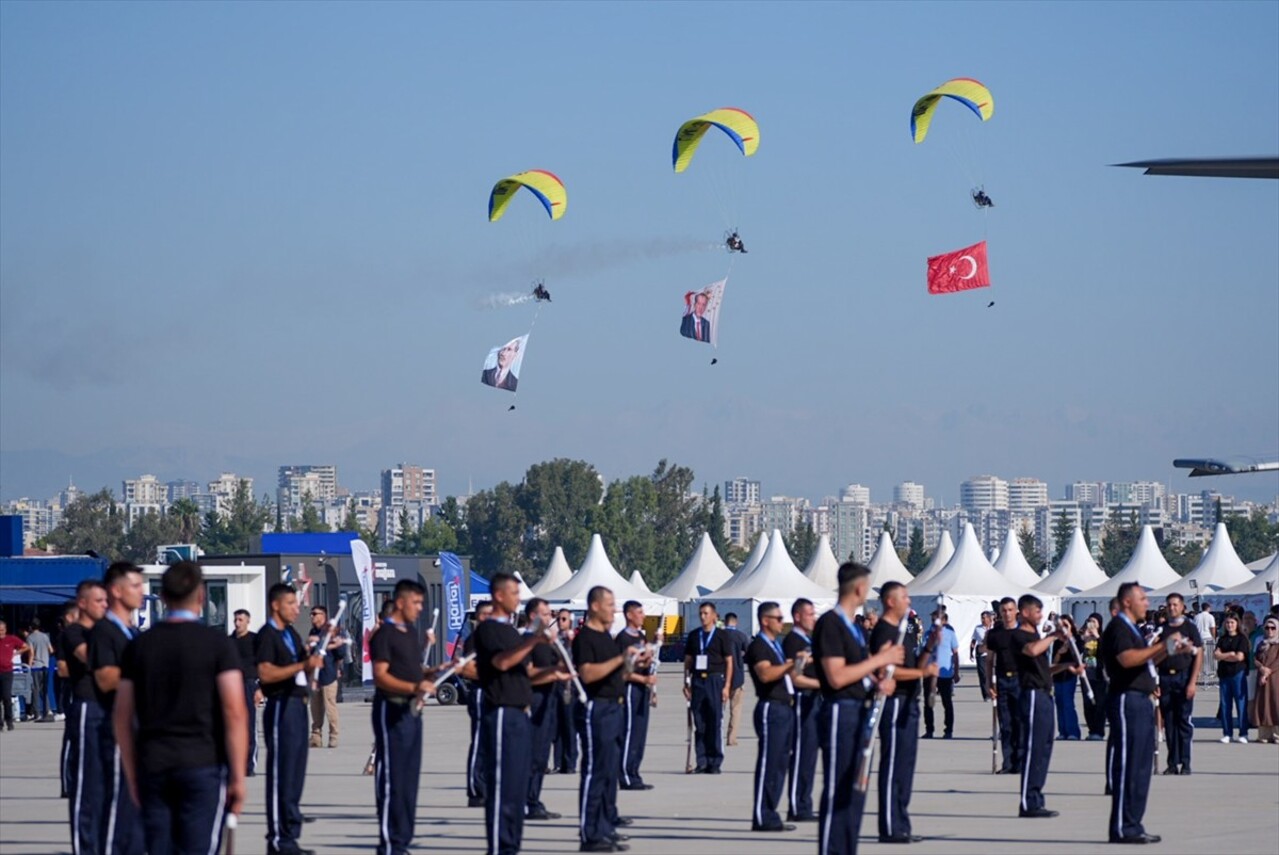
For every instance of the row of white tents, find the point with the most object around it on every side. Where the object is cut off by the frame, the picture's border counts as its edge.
(958, 576)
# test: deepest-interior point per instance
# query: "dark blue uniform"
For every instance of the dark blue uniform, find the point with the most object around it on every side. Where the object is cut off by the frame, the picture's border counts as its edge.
(397, 738)
(842, 726)
(1037, 720)
(475, 791)
(247, 647)
(635, 713)
(599, 725)
(86, 797)
(803, 750)
(544, 718)
(1132, 726)
(505, 736)
(120, 828)
(1008, 700)
(712, 650)
(774, 720)
(1177, 708)
(898, 736)
(285, 728)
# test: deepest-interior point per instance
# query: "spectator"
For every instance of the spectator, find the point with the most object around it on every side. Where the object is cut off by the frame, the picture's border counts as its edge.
(737, 690)
(39, 644)
(1232, 669)
(977, 650)
(1094, 710)
(1205, 622)
(324, 689)
(10, 647)
(1065, 682)
(947, 658)
(1264, 707)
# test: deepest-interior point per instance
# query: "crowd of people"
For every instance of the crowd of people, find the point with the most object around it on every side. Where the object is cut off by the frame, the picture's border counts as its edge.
(160, 729)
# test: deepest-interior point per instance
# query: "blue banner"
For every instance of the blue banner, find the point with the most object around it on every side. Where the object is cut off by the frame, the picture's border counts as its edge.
(454, 600)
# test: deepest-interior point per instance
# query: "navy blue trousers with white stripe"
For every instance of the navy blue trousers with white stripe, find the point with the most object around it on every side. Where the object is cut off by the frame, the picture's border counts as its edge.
(87, 796)
(803, 754)
(599, 726)
(1038, 726)
(1132, 726)
(183, 810)
(285, 728)
(120, 831)
(250, 689)
(773, 724)
(475, 754)
(397, 740)
(506, 737)
(1008, 703)
(708, 717)
(841, 728)
(898, 741)
(544, 720)
(634, 733)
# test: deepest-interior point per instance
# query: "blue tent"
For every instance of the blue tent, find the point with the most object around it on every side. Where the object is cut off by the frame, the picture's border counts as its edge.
(45, 581)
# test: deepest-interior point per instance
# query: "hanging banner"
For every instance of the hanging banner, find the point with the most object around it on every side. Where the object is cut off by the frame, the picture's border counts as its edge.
(364, 575)
(701, 313)
(454, 600)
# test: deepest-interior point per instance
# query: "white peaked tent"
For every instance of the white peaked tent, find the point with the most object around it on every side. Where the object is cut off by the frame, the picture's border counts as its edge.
(526, 593)
(1075, 572)
(885, 566)
(823, 566)
(775, 578)
(941, 556)
(757, 555)
(596, 569)
(1257, 584)
(638, 581)
(1262, 563)
(1147, 567)
(704, 572)
(994, 554)
(557, 573)
(1013, 566)
(1220, 568)
(762, 546)
(966, 586)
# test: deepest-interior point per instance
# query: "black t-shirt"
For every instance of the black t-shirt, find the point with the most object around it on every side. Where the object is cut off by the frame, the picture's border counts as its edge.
(273, 648)
(174, 668)
(544, 656)
(1237, 643)
(999, 642)
(247, 648)
(793, 644)
(591, 645)
(1117, 637)
(401, 648)
(106, 650)
(761, 650)
(1180, 664)
(832, 637)
(329, 670)
(1033, 671)
(509, 688)
(717, 646)
(886, 633)
(625, 640)
(739, 641)
(468, 647)
(78, 674)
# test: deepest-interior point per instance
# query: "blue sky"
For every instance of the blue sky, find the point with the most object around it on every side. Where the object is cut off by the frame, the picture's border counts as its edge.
(236, 236)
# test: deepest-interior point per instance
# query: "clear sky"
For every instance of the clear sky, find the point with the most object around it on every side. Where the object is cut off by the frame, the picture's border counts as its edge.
(237, 235)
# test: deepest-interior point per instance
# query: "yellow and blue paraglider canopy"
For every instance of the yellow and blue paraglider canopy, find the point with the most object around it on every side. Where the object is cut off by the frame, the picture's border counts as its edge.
(546, 186)
(740, 126)
(971, 93)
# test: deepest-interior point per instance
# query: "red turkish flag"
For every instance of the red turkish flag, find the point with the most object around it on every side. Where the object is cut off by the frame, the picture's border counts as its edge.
(961, 270)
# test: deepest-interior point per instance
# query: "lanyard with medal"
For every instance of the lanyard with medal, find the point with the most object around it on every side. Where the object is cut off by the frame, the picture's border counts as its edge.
(701, 662)
(859, 637)
(781, 658)
(286, 633)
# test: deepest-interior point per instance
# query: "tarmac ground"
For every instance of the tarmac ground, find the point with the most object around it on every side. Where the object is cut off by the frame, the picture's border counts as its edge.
(1229, 805)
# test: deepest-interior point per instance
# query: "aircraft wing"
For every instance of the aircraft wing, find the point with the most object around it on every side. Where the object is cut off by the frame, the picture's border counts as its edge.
(1211, 167)
(1201, 466)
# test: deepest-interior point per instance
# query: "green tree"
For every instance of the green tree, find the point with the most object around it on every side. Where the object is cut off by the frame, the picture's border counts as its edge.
(187, 514)
(1254, 537)
(916, 554)
(628, 524)
(452, 515)
(1026, 540)
(1118, 540)
(234, 533)
(498, 527)
(405, 542)
(560, 499)
(91, 523)
(149, 531)
(309, 520)
(435, 536)
(801, 542)
(1184, 558)
(712, 521)
(1063, 530)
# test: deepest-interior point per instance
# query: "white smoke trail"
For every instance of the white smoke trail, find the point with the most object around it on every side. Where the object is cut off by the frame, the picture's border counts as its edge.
(603, 254)
(503, 300)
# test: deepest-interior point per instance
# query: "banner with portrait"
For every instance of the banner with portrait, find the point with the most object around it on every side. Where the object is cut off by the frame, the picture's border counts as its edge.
(701, 313)
(502, 365)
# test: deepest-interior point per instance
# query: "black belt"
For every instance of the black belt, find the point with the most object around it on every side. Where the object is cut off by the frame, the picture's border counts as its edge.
(395, 699)
(706, 675)
(1010, 673)
(1170, 672)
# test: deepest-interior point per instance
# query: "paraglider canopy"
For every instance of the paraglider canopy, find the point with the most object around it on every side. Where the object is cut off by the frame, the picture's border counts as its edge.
(740, 126)
(971, 93)
(546, 186)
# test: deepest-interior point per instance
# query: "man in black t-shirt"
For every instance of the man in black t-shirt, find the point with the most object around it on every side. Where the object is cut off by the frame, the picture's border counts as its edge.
(86, 798)
(798, 645)
(501, 656)
(475, 791)
(1005, 686)
(636, 695)
(770, 672)
(284, 671)
(1178, 679)
(899, 724)
(708, 673)
(564, 756)
(737, 685)
(602, 669)
(246, 645)
(1130, 669)
(847, 675)
(396, 652)
(1036, 709)
(545, 662)
(121, 824)
(181, 722)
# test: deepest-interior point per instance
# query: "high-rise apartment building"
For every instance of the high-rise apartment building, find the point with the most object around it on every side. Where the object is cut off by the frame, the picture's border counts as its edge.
(856, 494)
(1026, 495)
(984, 493)
(782, 513)
(741, 491)
(296, 482)
(909, 493)
(147, 490)
(1087, 492)
(223, 491)
(404, 483)
(848, 530)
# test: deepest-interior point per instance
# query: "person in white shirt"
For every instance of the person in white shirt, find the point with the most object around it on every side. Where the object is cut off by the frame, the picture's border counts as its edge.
(1206, 623)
